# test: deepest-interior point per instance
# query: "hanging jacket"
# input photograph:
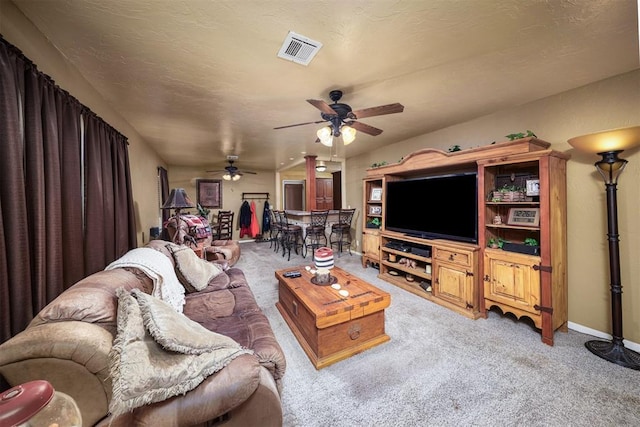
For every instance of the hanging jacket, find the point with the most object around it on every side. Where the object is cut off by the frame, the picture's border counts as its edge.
(266, 218)
(244, 219)
(255, 227)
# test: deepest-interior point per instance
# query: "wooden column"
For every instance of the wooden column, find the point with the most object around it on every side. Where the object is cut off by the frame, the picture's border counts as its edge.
(311, 182)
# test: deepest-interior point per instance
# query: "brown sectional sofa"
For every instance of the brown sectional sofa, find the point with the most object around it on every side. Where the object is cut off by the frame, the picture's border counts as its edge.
(68, 343)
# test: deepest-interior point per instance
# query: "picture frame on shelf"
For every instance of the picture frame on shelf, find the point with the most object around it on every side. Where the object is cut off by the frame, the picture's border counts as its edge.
(376, 194)
(375, 210)
(524, 217)
(532, 187)
(209, 193)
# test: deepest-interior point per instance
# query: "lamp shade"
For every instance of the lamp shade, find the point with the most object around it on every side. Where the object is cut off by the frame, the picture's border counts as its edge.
(178, 199)
(608, 140)
(325, 136)
(348, 134)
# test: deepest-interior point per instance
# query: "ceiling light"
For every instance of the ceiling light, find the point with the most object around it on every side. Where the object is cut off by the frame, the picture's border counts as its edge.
(235, 177)
(321, 166)
(348, 134)
(325, 136)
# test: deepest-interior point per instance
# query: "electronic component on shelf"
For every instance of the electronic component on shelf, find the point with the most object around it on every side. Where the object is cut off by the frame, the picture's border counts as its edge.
(398, 246)
(420, 251)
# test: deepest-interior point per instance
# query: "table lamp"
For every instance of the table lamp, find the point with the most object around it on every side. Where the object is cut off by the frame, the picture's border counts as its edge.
(609, 144)
(177, 200)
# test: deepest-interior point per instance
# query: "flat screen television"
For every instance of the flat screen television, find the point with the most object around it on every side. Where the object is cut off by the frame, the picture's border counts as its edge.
(434, 207)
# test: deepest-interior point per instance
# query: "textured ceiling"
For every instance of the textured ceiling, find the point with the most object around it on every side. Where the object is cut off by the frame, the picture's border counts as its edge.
(200, 79)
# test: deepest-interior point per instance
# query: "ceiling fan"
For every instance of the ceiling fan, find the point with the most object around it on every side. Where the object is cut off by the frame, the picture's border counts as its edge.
(231, 172)
(339, 115)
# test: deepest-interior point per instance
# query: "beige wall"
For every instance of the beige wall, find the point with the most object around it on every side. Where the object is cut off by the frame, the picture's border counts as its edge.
(608, 104)
(17, 30)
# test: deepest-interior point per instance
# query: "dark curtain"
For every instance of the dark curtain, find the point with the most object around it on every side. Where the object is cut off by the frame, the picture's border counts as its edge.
(14, 247)
(164, 192)
(110, 230)
(42, 199)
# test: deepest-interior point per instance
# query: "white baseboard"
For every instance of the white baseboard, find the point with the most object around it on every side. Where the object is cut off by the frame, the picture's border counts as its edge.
(598, 334)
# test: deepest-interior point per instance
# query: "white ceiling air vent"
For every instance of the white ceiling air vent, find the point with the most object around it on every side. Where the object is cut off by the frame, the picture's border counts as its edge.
(299, 49)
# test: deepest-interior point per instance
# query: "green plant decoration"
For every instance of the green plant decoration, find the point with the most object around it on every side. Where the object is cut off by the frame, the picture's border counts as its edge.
(519, 135)
(203, 212)
(454, 148)
(530, 241)
(375, 222)
(378, 164)
(495, 242)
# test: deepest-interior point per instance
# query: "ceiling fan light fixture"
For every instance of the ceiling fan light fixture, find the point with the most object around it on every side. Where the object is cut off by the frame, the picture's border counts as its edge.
(348, 134)
(226, 176)
(325, 136)
(235, 177)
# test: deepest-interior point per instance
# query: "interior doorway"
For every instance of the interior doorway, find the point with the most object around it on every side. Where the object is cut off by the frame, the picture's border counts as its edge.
(294, 195)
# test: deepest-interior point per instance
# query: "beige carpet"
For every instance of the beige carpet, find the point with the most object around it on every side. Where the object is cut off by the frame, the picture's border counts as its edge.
(442, 369)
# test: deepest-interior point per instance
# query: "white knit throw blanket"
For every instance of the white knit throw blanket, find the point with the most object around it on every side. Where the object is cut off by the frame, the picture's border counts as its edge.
(158, 267)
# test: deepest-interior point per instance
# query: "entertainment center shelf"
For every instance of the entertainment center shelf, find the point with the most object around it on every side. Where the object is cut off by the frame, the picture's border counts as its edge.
(524, 270)
(446, 277)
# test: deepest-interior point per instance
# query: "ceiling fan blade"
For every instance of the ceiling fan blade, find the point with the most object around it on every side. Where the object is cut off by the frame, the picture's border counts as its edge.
(300, 124)
(379, 110)
(216, 171)
(322, 106)
(249, 172)
(361, 127)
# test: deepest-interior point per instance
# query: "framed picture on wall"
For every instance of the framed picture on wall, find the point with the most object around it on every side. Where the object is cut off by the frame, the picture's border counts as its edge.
(376, 194)
(209, 193)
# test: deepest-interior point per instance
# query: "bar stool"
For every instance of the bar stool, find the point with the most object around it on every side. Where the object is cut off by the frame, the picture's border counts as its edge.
(274, 230)
(291, 236)
(341, 230)
(316, 230)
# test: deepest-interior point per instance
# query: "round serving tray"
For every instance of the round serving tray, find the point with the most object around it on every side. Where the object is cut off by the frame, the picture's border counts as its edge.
(332, 280)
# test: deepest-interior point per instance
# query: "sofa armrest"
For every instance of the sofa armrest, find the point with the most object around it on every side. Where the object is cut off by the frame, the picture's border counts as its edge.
(73, 356)
(217, 395)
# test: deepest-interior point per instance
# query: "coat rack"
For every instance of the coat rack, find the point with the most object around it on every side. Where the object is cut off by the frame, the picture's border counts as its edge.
(250, 196)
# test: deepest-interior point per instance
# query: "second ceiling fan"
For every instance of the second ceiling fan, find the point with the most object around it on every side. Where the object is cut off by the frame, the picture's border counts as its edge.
(339, 115)
(231, 172)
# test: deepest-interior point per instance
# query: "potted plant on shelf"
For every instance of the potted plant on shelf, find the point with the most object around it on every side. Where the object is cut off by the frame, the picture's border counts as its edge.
(512, 193)
(495, 243)
(373, 223)
(529, 246)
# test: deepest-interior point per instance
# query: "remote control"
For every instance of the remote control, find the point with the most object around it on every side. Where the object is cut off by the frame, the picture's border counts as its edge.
(292, 274)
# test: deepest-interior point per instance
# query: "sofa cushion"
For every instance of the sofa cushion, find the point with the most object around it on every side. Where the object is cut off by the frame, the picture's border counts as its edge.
(93, 299)
(159, 353)
(200, 306)
(193, 272)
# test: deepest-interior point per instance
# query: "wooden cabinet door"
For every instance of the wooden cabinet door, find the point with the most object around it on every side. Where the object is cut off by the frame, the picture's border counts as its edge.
(511, 280)
(453, 283)
(371, 245)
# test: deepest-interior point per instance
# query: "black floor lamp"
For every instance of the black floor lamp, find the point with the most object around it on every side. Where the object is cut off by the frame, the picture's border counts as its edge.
(609, 144)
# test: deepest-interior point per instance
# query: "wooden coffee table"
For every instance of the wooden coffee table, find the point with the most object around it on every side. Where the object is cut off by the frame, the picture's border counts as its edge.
(331, 327)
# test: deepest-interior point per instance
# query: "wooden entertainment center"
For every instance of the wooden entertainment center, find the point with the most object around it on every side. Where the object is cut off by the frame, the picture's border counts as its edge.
(471, 278)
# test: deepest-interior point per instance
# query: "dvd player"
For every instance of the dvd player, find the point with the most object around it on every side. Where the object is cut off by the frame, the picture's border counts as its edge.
(398, 246)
